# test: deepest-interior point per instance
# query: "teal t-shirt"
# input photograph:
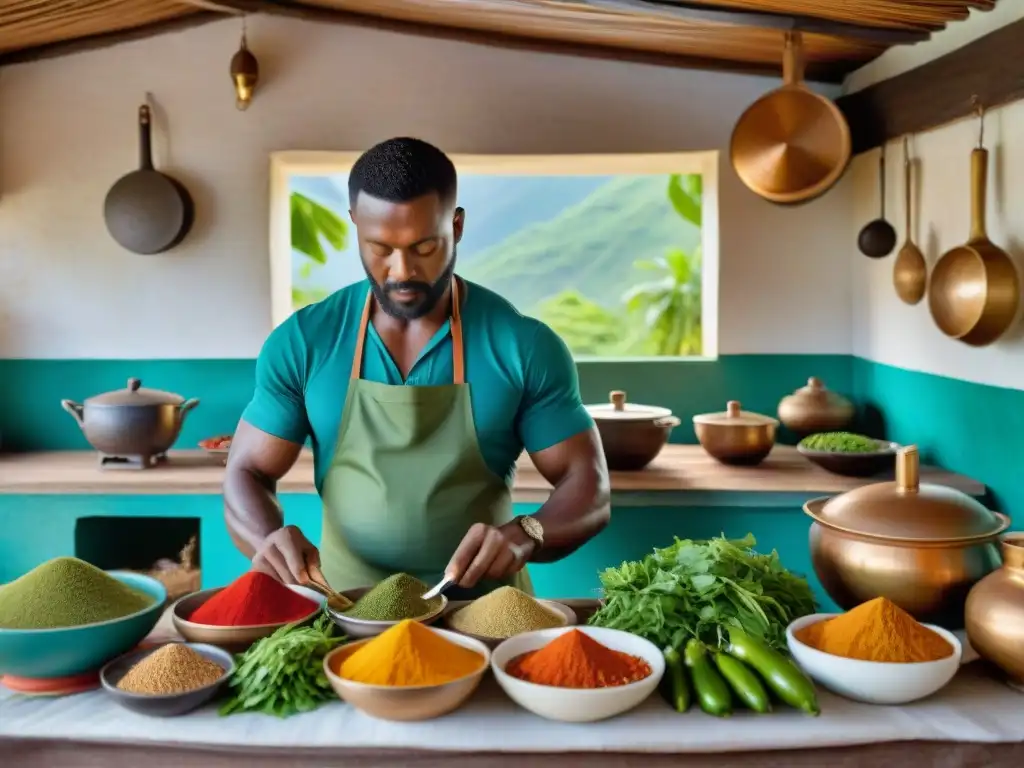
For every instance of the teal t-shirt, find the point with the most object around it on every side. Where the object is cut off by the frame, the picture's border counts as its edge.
(523, 383)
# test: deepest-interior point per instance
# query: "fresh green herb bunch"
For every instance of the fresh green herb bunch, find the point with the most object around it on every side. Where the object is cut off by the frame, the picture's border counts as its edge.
(700, 589)
(841, 442)
(283, 674)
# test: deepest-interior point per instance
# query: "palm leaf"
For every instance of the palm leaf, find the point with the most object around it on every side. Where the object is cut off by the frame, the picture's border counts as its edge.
(312, 224)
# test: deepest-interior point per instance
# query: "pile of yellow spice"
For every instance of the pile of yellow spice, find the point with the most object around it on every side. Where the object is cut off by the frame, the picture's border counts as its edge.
(878, 630)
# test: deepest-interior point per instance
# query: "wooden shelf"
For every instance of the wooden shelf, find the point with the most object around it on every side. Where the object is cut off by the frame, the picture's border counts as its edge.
(683, 475)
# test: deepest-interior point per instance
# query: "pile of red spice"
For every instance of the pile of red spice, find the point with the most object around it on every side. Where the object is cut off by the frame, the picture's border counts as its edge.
(576, 660)
(253, 599)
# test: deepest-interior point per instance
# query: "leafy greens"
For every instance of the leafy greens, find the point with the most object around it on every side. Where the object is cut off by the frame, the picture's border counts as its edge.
(698, 588)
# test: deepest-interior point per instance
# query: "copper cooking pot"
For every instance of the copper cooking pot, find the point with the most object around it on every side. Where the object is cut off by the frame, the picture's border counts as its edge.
(995, 612)
(632, 435)
(736, 437)
(815, 408)
(922, 546)
(792, 144)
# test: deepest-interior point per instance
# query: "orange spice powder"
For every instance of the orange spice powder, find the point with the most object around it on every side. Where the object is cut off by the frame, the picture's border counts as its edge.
(576, 660)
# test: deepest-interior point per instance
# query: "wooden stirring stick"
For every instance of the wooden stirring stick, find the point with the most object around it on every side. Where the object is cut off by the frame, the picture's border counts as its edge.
(317, 581)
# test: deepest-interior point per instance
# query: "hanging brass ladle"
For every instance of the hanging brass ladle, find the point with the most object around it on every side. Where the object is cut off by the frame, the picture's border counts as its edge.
(910, 272)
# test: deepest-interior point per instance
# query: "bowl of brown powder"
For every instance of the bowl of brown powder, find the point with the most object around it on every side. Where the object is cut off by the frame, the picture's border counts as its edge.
(169, 679)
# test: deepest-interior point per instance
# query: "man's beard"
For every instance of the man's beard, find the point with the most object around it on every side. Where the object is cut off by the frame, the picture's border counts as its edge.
(429, 294)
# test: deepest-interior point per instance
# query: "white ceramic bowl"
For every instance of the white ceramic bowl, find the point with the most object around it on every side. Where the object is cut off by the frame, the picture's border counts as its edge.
(575, 705)
(873, 682)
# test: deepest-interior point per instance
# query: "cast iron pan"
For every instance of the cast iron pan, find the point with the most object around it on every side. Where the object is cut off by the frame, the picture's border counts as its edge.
(147, 211)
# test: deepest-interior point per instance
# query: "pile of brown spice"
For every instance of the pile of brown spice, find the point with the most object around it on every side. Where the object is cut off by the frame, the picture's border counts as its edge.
(878, 630)
(174, 668)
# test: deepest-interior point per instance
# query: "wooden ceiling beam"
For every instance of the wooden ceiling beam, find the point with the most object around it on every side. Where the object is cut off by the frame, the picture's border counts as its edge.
(941, 91)
(701, 12)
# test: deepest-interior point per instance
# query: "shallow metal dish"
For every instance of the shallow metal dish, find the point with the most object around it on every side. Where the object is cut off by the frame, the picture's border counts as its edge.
(854, 464)
(568, 620)
(353, 627)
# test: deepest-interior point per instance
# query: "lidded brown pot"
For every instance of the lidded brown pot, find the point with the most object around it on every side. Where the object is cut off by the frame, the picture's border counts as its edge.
(736, 437)
(632, 435)
(815, 408)
(995, 612)
(921, 545)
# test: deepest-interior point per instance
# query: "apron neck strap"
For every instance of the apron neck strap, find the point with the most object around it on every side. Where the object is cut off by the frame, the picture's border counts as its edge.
(458, 358)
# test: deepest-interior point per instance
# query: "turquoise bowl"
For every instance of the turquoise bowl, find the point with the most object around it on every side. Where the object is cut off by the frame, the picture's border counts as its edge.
(50, 653)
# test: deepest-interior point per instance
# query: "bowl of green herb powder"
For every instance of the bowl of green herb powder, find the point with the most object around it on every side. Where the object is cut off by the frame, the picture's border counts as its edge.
(849, 454)
(67, 617)
(378, 608)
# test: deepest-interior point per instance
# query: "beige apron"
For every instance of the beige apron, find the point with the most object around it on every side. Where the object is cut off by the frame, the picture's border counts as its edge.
(407, 479)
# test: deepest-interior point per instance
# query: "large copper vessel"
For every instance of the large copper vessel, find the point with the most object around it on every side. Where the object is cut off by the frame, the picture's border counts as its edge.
(922, 546)
(995, 612)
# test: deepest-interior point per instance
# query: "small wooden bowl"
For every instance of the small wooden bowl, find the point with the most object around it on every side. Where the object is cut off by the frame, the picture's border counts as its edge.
(407, 703)
(236, 639)
(861, 464)
(353, 627)
(567, 614)
(166, 705)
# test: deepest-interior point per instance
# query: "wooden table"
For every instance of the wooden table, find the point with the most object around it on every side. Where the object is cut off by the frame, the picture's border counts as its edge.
(683, 475)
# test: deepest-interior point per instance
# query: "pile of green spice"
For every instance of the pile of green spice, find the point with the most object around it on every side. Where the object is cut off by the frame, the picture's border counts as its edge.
(66, 592)
(503, 613)
(174, 668)
(842, 442)
(397, 597)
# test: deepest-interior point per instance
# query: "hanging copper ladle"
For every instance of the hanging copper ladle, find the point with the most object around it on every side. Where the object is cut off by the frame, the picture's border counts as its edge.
(910, 272)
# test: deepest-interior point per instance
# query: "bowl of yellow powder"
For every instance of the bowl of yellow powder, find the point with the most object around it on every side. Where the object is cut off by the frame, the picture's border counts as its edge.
(507, 612)
(876, 653)
(409, 672)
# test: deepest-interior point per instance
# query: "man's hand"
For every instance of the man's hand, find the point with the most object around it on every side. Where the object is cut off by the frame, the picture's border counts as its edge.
(490, 553)
(286, 554)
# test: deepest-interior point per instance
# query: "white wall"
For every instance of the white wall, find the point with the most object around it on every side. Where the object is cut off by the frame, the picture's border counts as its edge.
(885, 329)
(67, 131)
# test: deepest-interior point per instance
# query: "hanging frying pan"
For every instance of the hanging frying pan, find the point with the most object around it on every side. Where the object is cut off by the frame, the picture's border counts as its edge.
(147, 211)
(791, 145)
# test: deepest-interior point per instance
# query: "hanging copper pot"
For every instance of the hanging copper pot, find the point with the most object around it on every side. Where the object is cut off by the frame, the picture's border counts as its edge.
(923, 546)
(792, 144)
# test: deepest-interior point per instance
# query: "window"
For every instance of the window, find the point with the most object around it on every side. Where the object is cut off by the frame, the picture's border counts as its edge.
(617, 253)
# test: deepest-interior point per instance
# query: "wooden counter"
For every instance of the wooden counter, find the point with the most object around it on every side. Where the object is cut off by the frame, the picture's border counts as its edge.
(683, 475)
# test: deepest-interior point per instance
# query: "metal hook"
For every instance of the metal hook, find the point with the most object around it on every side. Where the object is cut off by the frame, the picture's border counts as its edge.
(979, 110)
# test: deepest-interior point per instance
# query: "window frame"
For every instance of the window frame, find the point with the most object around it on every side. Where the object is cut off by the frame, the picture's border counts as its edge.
(286, 164)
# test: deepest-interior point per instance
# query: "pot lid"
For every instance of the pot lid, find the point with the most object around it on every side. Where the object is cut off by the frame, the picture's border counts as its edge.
(909, 510)
(135, 394)
(734, 416)
(617, 409)
(817, 391)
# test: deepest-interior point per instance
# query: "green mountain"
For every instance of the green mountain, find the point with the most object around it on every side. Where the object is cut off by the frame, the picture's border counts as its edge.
(589, 247)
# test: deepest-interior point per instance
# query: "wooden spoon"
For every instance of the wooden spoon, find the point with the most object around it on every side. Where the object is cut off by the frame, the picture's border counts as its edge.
(318, 583)
(910, 272)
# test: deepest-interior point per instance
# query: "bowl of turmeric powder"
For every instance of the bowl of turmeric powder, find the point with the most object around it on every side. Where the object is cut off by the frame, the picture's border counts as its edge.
(876, 653)
(409, 672)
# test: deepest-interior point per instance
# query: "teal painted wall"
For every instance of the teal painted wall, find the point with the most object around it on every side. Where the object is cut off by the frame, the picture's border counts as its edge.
(31, 390)
(970, 428)
(36, 528)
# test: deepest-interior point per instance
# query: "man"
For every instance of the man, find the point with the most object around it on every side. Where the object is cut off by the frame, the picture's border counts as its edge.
(419, 390)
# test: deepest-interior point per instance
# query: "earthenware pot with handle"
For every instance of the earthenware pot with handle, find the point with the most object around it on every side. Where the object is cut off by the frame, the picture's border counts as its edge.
(921, 545)
(736, 437)
(815, 408)
(133, 421)
(632, 435)
(994, 615)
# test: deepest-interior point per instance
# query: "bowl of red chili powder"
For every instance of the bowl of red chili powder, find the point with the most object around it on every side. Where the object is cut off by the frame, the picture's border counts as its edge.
(578, 674)
(250, 608)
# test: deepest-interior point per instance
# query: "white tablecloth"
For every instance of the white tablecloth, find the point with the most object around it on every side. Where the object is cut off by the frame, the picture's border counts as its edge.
(974, 708)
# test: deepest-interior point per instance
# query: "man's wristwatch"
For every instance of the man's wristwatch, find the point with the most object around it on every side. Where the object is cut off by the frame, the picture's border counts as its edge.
(531, 527)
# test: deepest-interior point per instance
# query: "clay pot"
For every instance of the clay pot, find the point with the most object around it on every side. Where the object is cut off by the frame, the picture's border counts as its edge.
(632, 435)
(995, 612)
(814, 408)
